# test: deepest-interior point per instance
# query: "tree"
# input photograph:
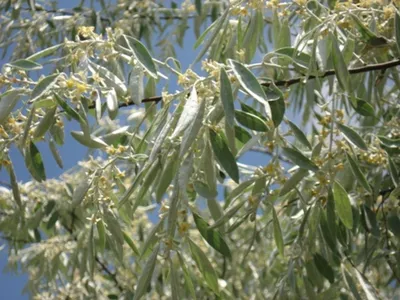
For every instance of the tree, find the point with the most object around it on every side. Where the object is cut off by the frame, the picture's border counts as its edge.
(166, 205)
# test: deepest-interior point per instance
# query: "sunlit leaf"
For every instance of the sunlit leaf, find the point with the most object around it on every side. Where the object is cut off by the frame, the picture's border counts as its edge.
(277, 233)
(339, 64)
(250, 121)
(227, 97)
(34, 162)
(358, 174)
(299, 134)
(342, 205)
(147, 273)
(353, 136)
(291, 183)
(25, 64)
(43, 86)
(299, 159)
(112, 104)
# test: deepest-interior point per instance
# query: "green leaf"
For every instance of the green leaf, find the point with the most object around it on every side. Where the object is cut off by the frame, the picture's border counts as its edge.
(342, 205)
(34, 163)
(227, 98)
(293, 181)
(353, 137)
(102, 235)
(363, 107)
(112, 104)
(203, 190)
(299, 134)
(43, 86)
(213, 237)
(324, 268)
(224, 155)
(146, 274)
(277, 233)
(299, 159)
(55, 153)
(87, 140)
(14, 185)
(394, 174)
(8, 100)
(188, 281)
(25, 64)
(397, 29)
(249, 82)
(45, 123)
(204, 266)
(358, 174)
(228, 215)
(250, 121)
(394, 225)
(242, 135)
(80, 192)
(70, 111)
(277, 110)
(339, 65)
(44, 52)
(142, 55)
(130, 243)
(167, 174)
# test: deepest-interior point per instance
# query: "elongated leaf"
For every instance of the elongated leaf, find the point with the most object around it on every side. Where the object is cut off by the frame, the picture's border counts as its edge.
(224, 155)
(248, 81)
(168, 173)
(14, 185)
(45, 123)
(189, 113)
(342, 205)
(299, 159)
(324, 268)
(101, 231)
(110, 79)
(397, 29)
(142, 55)
(43, 86)
(242, 135)
(25, 64)
(293, 181)
(203, 190)
(277, 233)
(277, 108)
(358, 174)
(136, 85)
(339, 64)
(112, 104)
(353, 137)
(215, 31)
(88, 141)
(56, 154)
(394, 174)
(80, 192)
(227, 97)
(363, 108)
(34, 162)
(250, 121)
(7, 103)
(188, 281)
(130, 243)
(44, 52)
(213, 237)
(147, 273)
(204, 266)
(301, 137)
(228, 215)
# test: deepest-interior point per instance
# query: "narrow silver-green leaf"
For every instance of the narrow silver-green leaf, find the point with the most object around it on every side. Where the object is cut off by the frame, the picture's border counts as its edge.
(299, 159)
(250, 121)
(34, 162)
(14, 185)
(299, 134)
(55, 153)
(227, 97)
(88, 141)
(101, 231)
(112, 104)
(342, 205)
(147, 273)
(358, 174)
(339, 65)
(45, 123)
(188, 279)
(353, 136)
(44, 52)
(7, 103)
(80, 192)
(213, 237)
(228, 215)
(204, 266)
(277, 233)
(291, 183)
(248, 81)
(203, 189)
(110, 79)
(397, 29)
(224, 155)
(25, 64)
(43, 86)
(142, 55)
(130, 243)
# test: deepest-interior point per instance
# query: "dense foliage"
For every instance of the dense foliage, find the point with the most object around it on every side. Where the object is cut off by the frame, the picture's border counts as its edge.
(166, 204)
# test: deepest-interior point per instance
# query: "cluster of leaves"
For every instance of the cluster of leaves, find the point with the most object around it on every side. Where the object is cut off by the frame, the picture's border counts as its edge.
(319, 220)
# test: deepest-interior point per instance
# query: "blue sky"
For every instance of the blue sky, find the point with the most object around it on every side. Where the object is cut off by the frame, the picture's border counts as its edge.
(11, 285)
